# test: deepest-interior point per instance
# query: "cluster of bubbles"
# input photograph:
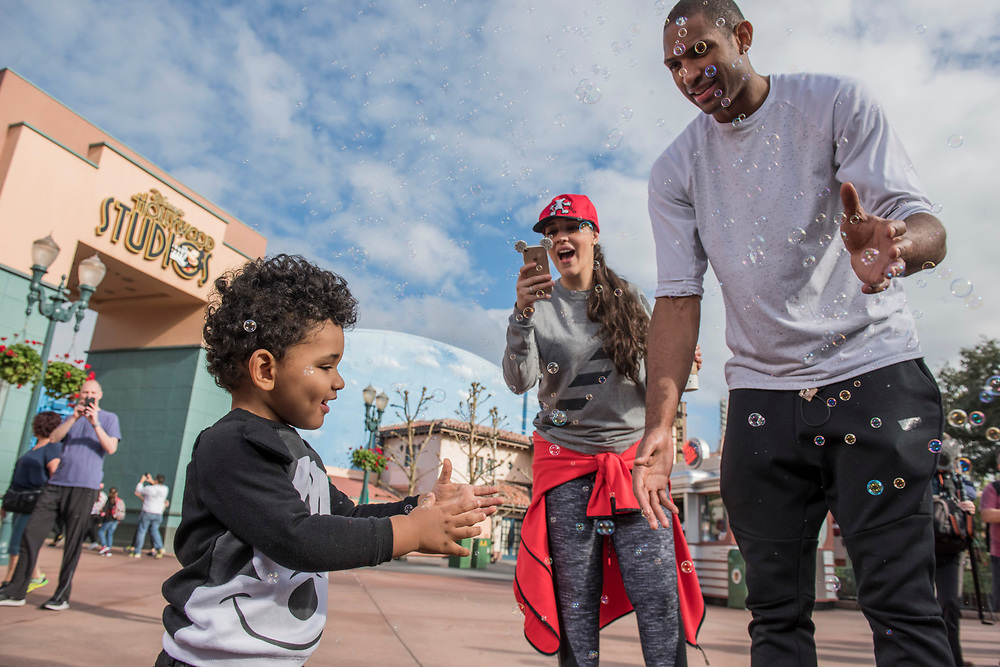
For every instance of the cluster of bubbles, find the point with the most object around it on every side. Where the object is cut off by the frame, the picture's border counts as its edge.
(959, 288)
(977, 418)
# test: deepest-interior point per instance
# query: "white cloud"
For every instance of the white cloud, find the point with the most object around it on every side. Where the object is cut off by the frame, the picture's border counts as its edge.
(406, 146)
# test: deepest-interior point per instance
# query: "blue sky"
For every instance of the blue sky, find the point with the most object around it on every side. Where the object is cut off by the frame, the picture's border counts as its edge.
(408, 145)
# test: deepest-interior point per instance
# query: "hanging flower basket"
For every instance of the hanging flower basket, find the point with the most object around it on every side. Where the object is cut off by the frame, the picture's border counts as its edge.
(20, 363)
(64, 379)
(372, 460)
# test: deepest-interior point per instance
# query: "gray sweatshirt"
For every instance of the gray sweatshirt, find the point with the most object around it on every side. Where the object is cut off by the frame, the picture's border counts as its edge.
(584, 404)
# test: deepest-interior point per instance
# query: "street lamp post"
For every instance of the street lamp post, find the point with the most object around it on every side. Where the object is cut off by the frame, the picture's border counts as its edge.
(374, 407)
(58, 308)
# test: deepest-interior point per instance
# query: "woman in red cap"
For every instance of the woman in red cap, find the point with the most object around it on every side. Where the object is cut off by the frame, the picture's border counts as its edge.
(587, 556)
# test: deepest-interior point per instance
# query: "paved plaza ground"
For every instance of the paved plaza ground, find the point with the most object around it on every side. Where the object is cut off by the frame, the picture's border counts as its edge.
(412, 613)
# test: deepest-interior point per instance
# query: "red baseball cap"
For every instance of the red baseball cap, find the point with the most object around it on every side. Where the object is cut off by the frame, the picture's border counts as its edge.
(575, 207)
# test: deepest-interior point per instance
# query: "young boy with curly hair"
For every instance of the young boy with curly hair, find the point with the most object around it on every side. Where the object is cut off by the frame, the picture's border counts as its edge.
(262, 524)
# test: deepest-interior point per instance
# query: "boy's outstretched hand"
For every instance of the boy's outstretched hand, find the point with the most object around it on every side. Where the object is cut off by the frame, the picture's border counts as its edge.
(444, 490)
(436, 526)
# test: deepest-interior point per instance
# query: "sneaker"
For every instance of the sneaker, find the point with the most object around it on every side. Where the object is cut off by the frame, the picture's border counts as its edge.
(37, 583)
(6, 601)
(135, 554)
(129, 551)
(56, 605)
(158, 553)
(105, 551)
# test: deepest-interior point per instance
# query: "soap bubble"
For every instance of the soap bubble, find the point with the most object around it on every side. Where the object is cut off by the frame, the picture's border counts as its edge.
(977, 418)
(614, 139)
(869, 256)
(756, 419)
(558, 417)
(934, 446)
(580, 526)
(845, 395)
(850, 438)
(955, 140)
(555, 450)
(700, 47)
(710, 71)
(961, 288)
(249, 326)
(679, 50)
(797, 235)
(831, 402)
(876, 422)
(272, 577)
(994, 383)
(875, 487)
(587, 92)
(552, 368)
(899, 482)
(687, 567)
(832, 583)
(605, 527)
(819, 440)
(720, 22)
(993, 434)
(957, 418)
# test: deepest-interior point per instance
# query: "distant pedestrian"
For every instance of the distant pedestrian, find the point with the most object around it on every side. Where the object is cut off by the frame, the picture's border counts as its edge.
(31, 472)
(95, 520)
(989, 508)
(154, 501)
(949, 555)
(111, 514)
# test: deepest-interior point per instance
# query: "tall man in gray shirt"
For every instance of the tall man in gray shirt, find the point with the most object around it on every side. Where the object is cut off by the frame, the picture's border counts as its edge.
(831, 406)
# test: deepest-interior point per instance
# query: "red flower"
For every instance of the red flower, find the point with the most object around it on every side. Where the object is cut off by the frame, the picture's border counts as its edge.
(69, 374)
(91, 376)
(10, 353)
(86, 367)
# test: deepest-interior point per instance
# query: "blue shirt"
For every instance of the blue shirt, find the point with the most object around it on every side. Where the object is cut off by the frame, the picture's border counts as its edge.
(30, 471)
(82, 456)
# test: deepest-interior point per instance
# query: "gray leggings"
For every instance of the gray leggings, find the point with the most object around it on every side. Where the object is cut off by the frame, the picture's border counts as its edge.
(646, 559)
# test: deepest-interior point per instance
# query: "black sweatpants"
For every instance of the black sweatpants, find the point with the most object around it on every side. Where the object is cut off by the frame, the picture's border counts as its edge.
(72, 504)
(865, 457)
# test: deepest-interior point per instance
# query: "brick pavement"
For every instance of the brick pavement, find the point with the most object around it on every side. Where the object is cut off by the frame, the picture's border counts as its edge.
(413, 613)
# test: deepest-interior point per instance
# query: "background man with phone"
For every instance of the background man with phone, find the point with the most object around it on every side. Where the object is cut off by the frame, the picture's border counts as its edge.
(88, 435)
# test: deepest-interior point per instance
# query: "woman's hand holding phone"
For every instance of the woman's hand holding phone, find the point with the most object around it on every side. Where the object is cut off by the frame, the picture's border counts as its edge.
(532, 285)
